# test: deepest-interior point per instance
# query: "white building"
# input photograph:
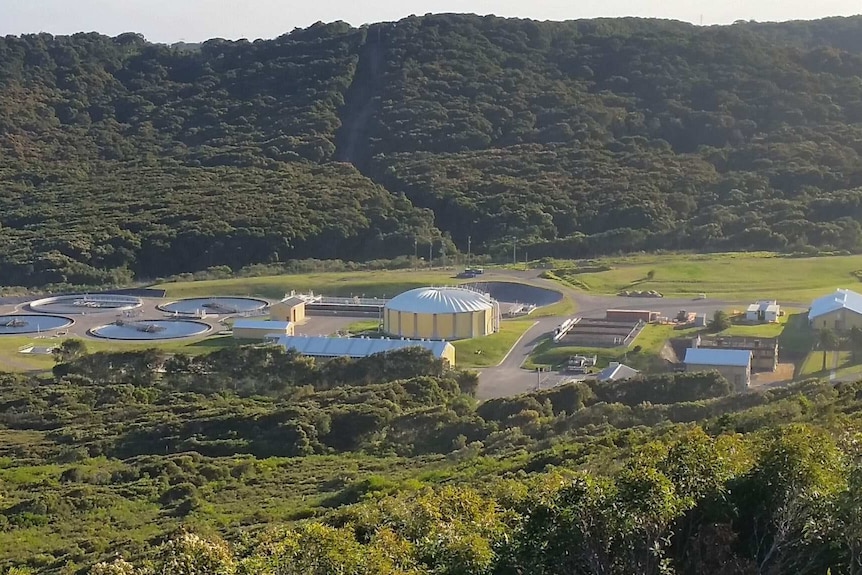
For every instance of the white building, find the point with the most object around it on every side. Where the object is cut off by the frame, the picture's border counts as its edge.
(764, 311)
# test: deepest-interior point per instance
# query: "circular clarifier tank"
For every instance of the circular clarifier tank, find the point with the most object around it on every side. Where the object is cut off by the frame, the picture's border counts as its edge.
(85, 304)
(214, 305)
(513, 292)
(150, 329)
(25, 324)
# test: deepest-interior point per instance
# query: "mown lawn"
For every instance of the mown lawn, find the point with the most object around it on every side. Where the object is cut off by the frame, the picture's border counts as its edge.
(490, 350)
(734, 276)
(564, 307)
(367, 283)
(813, 364)
(762, 329)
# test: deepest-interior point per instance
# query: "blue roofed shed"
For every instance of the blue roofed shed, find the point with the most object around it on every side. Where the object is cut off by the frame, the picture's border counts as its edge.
(260, 330)
(355, 347)
(733, 364)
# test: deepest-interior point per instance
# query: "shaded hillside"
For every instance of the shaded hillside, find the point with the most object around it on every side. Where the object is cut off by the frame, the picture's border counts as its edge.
(577, 138)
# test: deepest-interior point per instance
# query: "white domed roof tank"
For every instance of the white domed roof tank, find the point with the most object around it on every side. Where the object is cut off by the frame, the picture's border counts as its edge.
(441, 313)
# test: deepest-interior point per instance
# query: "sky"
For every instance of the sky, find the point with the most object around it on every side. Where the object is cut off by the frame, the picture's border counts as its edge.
(197, 20)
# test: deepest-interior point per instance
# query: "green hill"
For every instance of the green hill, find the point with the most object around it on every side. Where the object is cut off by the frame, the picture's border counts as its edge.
(123, 159)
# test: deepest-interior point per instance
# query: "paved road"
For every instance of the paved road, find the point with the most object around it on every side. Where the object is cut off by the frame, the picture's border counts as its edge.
(509, 379)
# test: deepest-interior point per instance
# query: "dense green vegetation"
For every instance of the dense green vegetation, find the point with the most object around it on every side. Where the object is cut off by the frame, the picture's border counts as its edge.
(388, 465)
(122, 159)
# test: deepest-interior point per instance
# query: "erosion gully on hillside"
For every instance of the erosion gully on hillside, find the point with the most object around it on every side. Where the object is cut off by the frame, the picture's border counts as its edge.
(360, 103)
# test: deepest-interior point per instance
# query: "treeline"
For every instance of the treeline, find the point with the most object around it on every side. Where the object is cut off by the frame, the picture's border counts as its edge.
(122, 159)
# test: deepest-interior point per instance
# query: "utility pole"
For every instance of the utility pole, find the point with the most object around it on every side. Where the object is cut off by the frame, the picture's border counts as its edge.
(430, 252)
(514, 259)
(415, 248)
(469, 246)
(443, 253)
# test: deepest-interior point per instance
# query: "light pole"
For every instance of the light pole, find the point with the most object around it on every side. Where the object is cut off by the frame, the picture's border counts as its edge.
(430, 252)
(469, 246)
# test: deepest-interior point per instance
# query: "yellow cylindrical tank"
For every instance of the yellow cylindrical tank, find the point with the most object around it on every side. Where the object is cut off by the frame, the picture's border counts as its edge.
(441, 313)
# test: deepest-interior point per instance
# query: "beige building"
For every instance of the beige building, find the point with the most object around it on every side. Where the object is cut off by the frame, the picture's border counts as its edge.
(259, 330)
(840, 311)
(734, 365)
(290, 309)
(447, 313)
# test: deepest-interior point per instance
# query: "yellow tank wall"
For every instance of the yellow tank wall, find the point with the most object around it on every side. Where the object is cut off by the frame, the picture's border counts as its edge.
(464, 326)
(450, 326)
(424, 326)
(445, 326)
(403, 324)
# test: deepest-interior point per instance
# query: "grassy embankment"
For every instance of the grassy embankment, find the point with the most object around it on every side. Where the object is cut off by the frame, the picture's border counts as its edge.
(734, 276)
(368, 284)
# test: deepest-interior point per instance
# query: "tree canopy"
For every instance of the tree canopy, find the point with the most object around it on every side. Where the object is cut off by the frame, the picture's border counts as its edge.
(121, 159)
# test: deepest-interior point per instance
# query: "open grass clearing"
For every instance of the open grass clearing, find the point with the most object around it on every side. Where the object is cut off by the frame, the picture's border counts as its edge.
(365, 326)
(813, 364)
(367, 283)
(740, 329)
(564, 307)
(733, 276)
(490, 350)
(13, 361)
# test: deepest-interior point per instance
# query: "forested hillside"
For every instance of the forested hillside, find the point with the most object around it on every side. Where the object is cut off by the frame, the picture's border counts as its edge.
(257, 461)
(577, 138)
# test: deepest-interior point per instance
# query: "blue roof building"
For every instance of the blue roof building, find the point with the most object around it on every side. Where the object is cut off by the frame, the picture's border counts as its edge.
(355, 347)
(840, 310)
(733, 364)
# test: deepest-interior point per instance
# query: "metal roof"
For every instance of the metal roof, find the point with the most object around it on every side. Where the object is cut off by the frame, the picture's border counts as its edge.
(292, 301)
(440, 300)
(616, 372)
(319, 346)
(265, 324)
(712, 356)
(841, 299)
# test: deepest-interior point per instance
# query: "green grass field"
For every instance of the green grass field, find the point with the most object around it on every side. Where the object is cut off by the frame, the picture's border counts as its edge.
(734, 276)
(739, 329)
(13, 361)
(564, 307)
(490, 350)
(369, 284)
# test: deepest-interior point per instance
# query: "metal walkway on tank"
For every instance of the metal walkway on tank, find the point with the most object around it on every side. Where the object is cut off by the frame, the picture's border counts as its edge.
(349, 306)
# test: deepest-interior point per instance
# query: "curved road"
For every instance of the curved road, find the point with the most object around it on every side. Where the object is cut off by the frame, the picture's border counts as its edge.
(508, 378)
